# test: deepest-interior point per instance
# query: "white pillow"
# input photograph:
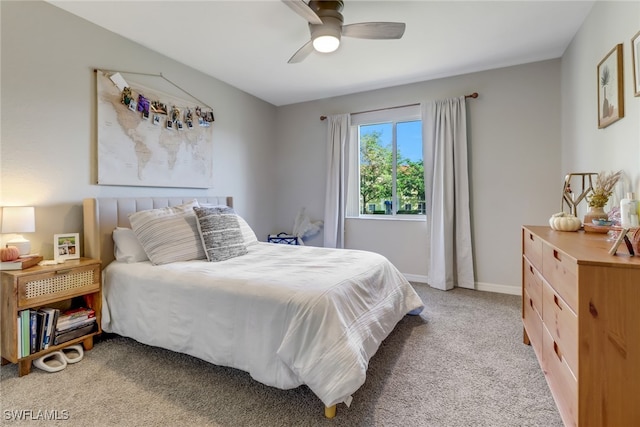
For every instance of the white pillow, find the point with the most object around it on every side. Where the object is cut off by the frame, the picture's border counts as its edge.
(169, 234)
(126, 246)
(248, 234)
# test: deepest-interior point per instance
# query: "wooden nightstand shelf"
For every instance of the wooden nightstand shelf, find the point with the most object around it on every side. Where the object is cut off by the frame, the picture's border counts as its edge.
(43, 286)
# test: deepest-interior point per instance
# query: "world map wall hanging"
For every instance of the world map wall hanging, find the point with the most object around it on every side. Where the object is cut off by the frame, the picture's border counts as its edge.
(147, 137)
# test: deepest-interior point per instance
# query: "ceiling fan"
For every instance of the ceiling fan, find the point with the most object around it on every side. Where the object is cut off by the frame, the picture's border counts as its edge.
(325, 25)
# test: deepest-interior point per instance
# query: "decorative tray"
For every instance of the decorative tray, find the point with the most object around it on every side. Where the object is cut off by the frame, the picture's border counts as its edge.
(590, 228)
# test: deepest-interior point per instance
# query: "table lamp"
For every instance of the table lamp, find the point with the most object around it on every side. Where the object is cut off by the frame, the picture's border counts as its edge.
(17, 220)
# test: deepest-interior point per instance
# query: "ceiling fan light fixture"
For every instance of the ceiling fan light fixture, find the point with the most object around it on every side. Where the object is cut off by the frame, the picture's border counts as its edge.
(326, 37)
(326, 44)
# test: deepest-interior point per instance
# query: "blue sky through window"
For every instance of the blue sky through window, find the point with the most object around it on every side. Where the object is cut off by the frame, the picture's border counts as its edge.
(409, 137)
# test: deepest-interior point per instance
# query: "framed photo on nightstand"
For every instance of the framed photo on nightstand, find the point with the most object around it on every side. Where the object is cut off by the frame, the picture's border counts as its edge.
(66, 246)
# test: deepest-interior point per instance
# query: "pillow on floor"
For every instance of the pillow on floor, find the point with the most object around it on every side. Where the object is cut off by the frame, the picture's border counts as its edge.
(220, 233)
(169, 234)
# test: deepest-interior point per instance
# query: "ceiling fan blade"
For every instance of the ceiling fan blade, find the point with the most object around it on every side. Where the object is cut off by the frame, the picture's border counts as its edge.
(374, 30)
(303, 9)
(302, 53)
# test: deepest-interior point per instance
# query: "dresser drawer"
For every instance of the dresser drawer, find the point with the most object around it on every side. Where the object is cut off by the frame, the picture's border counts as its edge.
(532, 248)
(562, 383)
(533, 285)
(560, 270)
(533, 324)
(562, 324)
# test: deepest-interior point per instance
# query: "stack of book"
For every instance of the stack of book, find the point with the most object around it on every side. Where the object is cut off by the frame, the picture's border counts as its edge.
(35, 329)
(73, 324)
(21, 263)
(39, 329)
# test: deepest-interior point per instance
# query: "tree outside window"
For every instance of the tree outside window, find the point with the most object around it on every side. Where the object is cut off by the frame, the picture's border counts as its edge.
(391, 168)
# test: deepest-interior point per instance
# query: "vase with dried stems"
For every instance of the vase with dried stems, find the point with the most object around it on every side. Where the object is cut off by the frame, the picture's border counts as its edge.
(605, 182)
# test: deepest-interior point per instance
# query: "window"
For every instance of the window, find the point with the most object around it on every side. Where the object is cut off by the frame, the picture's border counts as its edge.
(389, 164)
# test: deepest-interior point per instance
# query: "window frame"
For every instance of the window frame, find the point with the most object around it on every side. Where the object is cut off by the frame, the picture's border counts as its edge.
(392, 116)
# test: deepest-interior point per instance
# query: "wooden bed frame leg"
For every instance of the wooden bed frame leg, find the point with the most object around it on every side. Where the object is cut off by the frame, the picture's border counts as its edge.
(330, 411)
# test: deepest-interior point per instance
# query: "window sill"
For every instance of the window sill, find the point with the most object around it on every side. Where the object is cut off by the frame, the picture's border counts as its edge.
(410, 218)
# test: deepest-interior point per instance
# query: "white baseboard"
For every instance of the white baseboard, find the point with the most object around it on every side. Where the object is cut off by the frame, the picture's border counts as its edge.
(415, 278)
(501, 289)
(480, 286)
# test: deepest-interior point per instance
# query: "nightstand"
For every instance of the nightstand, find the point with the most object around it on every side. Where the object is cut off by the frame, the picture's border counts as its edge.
(44, 286)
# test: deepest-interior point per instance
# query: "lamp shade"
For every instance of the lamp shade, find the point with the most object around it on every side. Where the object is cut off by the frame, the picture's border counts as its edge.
(18, 219)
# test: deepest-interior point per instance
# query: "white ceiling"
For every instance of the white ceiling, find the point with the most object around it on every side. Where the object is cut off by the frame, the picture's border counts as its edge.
(247, 43)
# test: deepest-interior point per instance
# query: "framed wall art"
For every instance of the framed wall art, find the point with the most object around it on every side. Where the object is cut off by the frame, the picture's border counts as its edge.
(610, 88)
(151, 133)
(66, 246)
(635, 58)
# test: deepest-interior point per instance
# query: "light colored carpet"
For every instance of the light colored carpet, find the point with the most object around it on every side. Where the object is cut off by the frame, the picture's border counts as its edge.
(460, 363)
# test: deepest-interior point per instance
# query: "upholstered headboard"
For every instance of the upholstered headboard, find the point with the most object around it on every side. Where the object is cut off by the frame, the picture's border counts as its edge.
(103, 215)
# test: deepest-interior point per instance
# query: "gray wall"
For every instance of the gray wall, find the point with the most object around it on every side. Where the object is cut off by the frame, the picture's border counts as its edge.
(585, 148)
(531, 125)
(514, 142)
(48, 134)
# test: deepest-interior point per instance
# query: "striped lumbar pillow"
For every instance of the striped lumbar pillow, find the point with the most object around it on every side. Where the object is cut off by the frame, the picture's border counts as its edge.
(220, 233)
(169, 234)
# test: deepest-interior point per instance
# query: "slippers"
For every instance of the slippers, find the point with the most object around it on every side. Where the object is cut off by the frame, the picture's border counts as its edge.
(73, 353)
(52, 362)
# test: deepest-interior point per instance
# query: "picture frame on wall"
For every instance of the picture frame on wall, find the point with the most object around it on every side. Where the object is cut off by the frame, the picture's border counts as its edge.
(66, 246)
(635, 58)
(610, 88)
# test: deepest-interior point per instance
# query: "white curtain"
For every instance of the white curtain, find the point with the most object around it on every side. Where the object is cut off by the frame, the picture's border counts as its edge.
(337, 171)
(450, 259)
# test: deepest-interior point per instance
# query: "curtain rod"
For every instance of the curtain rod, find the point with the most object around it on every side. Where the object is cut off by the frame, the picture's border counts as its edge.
(473, 95)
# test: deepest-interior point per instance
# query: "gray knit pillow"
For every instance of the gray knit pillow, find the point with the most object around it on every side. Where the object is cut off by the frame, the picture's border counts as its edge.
(248, 234)
(220, 233)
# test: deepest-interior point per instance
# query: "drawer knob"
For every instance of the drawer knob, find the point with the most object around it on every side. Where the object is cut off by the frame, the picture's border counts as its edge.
(592, 309)
(556, 350)
(556, 301)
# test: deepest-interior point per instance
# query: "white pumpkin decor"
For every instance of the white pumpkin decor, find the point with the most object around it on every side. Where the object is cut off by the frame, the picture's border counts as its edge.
(563, 221)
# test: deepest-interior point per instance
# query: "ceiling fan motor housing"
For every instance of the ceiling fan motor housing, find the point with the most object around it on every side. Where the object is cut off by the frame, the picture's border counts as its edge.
(332, 20)
(318, 5)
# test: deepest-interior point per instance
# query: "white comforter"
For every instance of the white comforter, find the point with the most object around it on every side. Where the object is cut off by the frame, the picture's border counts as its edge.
(288, 315)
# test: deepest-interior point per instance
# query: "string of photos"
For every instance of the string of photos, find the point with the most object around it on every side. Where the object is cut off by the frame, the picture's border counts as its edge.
(176, 117)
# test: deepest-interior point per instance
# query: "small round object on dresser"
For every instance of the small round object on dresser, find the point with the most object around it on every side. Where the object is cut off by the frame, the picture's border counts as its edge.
(562, 221)
(10, 253)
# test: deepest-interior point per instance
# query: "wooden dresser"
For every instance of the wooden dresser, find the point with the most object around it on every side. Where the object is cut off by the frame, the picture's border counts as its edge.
(581, 315)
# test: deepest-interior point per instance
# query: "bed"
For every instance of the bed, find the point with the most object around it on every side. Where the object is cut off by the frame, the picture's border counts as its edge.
(288, 315)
